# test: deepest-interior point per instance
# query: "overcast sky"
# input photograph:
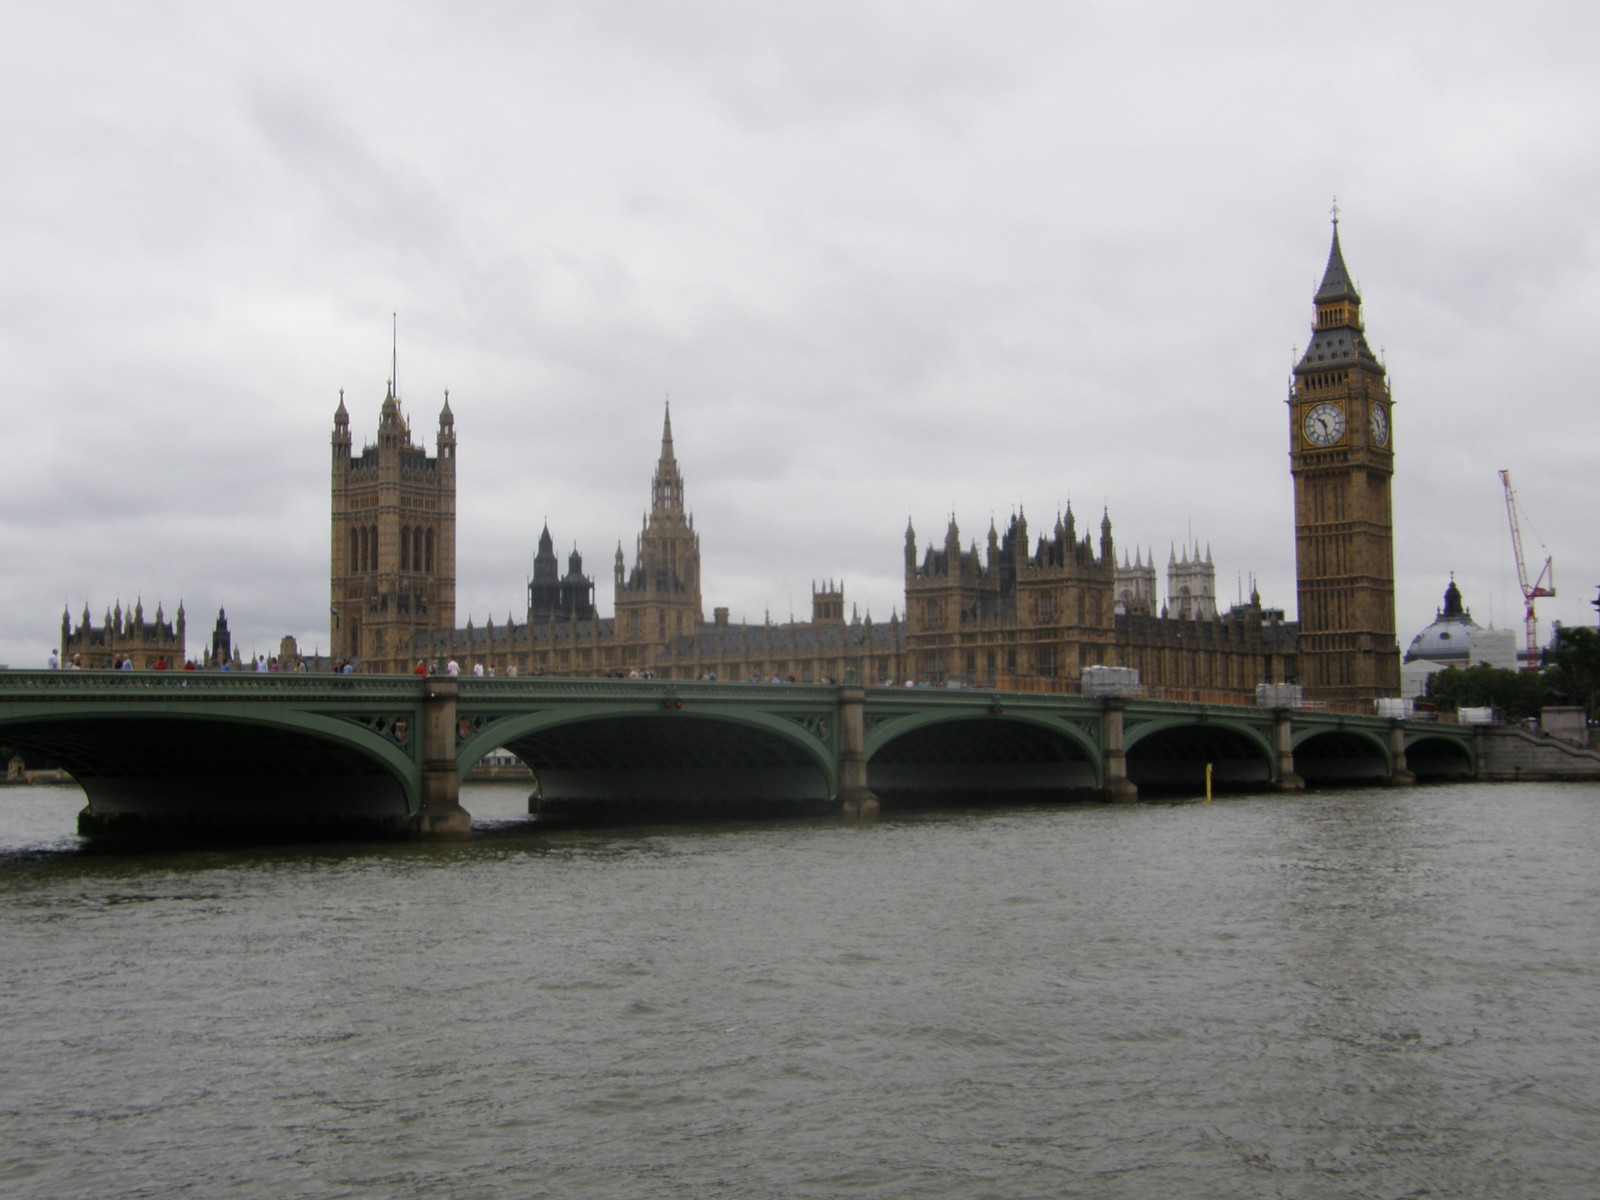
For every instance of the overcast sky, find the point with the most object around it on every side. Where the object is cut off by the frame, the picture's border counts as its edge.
(889, 261)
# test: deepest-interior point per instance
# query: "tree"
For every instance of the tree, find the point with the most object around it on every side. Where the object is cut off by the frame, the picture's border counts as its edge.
(1516, 694)
(1572, 669)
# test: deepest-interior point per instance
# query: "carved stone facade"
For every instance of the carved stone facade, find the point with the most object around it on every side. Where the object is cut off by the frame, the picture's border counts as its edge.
(124, 635)
(658, 627)
(393, 576)
(1341, 454)
(1014, 614)
(1021, 617)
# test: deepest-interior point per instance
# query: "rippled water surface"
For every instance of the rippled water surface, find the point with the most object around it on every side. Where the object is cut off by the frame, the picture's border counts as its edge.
(1367, 993)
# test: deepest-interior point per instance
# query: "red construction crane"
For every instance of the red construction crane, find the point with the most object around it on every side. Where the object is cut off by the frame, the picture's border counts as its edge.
(1544, 585)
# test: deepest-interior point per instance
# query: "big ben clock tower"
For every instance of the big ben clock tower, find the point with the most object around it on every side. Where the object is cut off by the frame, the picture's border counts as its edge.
(1341, 454)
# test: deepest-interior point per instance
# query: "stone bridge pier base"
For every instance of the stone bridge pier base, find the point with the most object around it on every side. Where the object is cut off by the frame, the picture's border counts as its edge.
(441, 815)
(855, 798)
(1402, 776)
(1118, 787)
(1283, 776)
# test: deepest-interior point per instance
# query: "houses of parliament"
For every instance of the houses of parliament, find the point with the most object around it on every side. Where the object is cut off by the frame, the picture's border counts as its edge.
(1024, 610)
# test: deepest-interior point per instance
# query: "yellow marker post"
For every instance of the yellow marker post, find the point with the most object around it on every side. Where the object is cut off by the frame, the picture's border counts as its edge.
(1208, 783)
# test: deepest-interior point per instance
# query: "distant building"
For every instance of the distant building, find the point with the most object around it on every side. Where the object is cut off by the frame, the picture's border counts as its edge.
(1016, 613)
(1446, 642)
(552, 596)
(222, 650)
(1191, 585)
(123, 635)
(1454, 639)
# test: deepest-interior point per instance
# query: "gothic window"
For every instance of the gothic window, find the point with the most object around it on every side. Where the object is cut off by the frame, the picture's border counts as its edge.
(1047, 660)
(355, 551)
(416, 548)
(428, 559)
(372, 541)
(1047, 607)
(405, 547)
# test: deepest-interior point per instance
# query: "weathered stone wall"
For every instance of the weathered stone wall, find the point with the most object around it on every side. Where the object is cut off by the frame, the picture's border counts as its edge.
(1507, 752)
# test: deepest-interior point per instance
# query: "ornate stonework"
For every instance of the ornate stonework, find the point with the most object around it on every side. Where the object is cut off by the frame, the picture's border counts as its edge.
(124, 635)
(1341, 454)
(1016, 614)
(393, 575)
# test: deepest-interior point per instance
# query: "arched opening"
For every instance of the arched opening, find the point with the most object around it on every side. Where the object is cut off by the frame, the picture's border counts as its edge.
(672, 765)
(1434, 759)
(985, 757)
(176, 773)
(1342, 757)
(1173, 760)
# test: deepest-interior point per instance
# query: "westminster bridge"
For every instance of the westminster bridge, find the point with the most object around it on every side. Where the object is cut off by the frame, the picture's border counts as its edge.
(367, 754)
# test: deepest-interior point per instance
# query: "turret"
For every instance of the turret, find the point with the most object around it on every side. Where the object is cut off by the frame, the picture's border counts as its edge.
(341, 432)
(447, 432)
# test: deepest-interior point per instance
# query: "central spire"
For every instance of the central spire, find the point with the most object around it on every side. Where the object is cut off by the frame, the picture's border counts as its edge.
(667, 488)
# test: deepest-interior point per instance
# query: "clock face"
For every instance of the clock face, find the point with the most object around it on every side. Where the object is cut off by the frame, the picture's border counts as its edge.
(1379, 424)
(1324, 424)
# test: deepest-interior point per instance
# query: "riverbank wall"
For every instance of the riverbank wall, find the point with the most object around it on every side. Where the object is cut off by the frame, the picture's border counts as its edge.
(1510, 753)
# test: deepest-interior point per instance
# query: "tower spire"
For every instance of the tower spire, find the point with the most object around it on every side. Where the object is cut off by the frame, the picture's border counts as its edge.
(1336, 283)
(667, 488)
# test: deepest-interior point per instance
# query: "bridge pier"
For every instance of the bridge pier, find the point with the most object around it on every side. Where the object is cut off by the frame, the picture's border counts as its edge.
(441, 816)
(855, 798)
(1284, 777)
(1118, 787)
(1402, 776)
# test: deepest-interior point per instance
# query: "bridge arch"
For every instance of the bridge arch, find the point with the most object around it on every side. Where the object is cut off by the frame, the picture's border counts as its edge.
(645, 753)
(979, 750)
(1434, 756)
(1347, 754)
(168, 765)
(1170, 753)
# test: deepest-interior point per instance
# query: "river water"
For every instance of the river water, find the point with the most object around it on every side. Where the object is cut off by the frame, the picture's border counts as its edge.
(1363, 993)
